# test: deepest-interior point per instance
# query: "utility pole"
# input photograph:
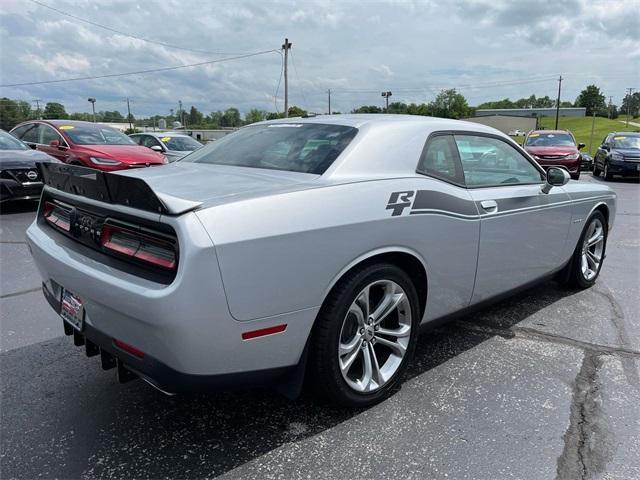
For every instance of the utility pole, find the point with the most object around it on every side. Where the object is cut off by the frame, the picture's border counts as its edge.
(386, 96)
(593, 123)
(629, 97)
(129, 115)
(329, 92)
(93, 106)
(181, 113)
(286, 46)
(38, 116)
(609, 110)
(558, 101)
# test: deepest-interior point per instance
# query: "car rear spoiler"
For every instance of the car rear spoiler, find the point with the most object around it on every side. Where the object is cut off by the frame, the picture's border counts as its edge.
(111, 188)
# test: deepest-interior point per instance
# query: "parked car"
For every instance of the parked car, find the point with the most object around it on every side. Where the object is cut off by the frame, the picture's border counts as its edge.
(88, 144)
(314, 246)
(619, 154)
(517, 133)
(555, 148)
(174, 146)
(19, 175)
(586, 162)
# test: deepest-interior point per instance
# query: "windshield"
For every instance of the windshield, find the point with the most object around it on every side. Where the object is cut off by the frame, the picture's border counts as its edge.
(181, 144)
(90, 135)
(296, 147)
(550, 140)
(9, 142)
(626, 142)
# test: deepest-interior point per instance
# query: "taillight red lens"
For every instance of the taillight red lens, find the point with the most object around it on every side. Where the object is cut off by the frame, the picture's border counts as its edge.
(57, 216)
(139, 246)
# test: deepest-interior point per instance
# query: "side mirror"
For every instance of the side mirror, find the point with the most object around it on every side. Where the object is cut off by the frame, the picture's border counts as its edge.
(157, 148)
(604, 147)
(556, 177)
(581, 146)
(54, 143)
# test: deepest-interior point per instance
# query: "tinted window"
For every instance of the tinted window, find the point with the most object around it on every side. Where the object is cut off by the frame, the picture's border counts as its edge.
(181, 144)
(48, 134)
(440, 159)
(296, 147)
(96, 135)
(488, 161)
(550, 140)
(137, 139)
(18, 132)
(30, 134)
(626, 141)
(149, 141)
(9, 142)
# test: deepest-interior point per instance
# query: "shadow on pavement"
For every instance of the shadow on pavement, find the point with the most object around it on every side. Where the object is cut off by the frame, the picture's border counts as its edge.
(134, 431)
(18, 206)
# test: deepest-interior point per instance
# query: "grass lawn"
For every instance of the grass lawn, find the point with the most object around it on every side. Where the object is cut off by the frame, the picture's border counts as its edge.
(581, 129)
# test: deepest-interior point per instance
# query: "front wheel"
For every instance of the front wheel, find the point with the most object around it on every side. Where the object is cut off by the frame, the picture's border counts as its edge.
(607, 173)
(589, 254)
(364, 336)
(596, 170)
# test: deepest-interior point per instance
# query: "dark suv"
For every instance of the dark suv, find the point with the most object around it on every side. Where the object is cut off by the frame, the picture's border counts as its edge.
(619, 154)
(555, 148)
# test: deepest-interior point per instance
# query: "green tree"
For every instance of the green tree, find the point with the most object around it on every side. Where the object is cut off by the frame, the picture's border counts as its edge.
(591, 98)
(274, 115)
(631, 105)
(195, 117)
(450, 104)
(54, 110)
(13, 112)
(111, 117)
(254, 115)
(215, 119)
(296, 111)
(231, 118)
(367, 109)
(397, 108)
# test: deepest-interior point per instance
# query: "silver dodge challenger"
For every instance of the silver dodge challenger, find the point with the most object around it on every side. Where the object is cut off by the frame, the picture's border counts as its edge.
(306, 249)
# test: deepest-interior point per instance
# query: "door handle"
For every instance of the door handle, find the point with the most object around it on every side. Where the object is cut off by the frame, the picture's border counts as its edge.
(489, 206)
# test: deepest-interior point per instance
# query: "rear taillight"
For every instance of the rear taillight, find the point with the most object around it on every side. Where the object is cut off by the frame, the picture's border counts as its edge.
(142, 247)
(57, 216)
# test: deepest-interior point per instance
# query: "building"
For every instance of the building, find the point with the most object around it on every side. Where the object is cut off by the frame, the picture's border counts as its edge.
(533, 112)
(506, 123)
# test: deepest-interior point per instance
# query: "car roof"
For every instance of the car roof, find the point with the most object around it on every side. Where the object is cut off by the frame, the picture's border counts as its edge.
(628, 134)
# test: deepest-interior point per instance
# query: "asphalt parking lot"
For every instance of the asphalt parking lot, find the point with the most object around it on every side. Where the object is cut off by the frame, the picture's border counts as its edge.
(543, 385)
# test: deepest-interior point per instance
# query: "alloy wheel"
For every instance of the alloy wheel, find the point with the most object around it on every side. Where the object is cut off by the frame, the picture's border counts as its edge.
(592, 249)
(375, 335)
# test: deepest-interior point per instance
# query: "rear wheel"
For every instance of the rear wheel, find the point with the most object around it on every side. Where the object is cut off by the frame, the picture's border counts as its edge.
(364, 336)
(589, 254)
(596, 170)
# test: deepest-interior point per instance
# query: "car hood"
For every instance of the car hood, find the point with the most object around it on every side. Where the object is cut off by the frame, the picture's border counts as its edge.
(183, 186)
(628, 152)
(559, 150)
(125, 153)
(23, 158)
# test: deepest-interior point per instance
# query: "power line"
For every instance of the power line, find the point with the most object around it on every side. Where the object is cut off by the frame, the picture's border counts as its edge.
(298, 79)
(119, 32)
(275, 96)
(139, 72)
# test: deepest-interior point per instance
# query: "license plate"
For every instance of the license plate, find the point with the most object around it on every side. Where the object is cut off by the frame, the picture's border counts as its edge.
(72, 309)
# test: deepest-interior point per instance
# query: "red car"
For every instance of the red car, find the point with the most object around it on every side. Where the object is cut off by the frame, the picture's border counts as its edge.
(88, 144)
(555, 148)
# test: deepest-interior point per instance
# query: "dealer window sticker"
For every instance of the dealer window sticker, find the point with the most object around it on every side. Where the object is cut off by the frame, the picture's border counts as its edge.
(166, 139)
(619, 138)
(534, 135)
(66, 127)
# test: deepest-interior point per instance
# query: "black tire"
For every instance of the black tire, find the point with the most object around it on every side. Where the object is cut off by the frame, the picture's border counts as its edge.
(607, 173)
(575, 176)
(574, 275)
(596, 170)
(324, 372)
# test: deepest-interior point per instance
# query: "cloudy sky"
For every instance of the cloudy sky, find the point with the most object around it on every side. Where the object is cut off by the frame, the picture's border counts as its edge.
(488, 49)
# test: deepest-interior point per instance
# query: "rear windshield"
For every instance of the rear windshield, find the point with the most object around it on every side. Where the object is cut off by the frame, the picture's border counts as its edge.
(295, 147)
(81, 135)
(624, 141)
(550, 140)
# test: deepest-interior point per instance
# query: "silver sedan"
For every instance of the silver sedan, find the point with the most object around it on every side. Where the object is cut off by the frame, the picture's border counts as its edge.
(306, 248)
(174, 146)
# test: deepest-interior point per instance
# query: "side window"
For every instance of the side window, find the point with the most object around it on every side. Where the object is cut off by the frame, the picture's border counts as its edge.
(19, 132)
(137, 138)
(149, 141)
(31, 134)
(440, 160)
(488, 161)
(48, 134)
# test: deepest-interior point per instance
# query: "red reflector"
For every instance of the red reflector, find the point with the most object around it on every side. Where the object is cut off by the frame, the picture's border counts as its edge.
(264, 331)
(128, 348)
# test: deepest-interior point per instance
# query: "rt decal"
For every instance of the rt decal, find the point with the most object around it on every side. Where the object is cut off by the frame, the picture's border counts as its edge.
(398, 201)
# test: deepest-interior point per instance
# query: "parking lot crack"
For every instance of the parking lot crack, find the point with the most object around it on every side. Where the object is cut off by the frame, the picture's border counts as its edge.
(588, 445)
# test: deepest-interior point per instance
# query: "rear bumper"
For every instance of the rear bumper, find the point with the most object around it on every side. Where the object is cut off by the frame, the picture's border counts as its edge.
(189, 338)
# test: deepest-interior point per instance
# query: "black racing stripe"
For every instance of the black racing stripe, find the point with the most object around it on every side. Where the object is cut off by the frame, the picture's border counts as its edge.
(429, 199)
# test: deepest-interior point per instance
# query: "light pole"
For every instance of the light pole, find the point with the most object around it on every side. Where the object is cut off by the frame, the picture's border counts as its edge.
(93, 107)
(386, 96)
